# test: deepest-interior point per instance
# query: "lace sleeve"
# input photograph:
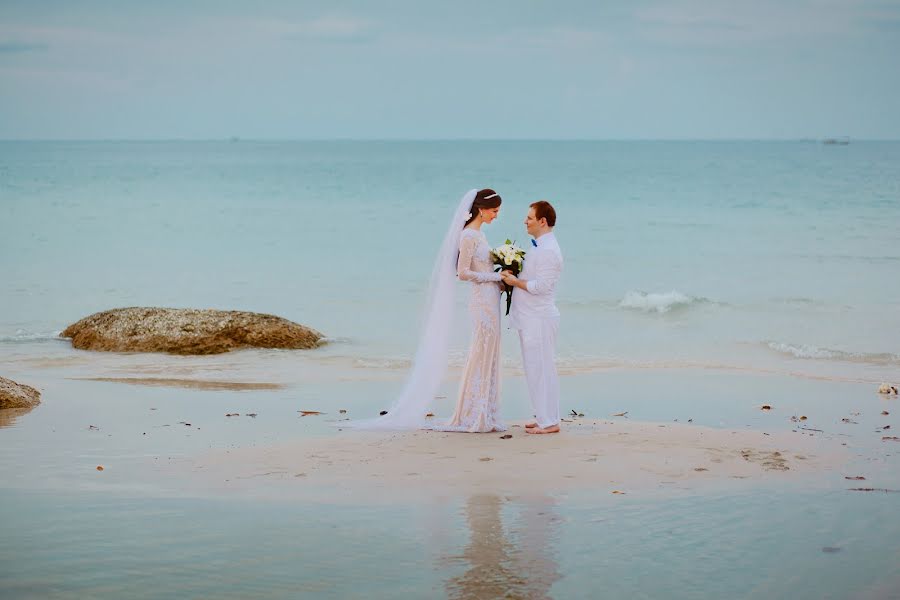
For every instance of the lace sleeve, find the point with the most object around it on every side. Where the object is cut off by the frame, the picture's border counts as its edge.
(467, 246)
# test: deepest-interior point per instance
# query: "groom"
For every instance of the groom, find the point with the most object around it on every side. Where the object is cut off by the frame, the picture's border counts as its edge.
(535, 315)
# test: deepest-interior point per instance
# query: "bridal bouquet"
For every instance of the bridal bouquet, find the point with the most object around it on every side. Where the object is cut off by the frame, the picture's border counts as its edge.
(508, 257)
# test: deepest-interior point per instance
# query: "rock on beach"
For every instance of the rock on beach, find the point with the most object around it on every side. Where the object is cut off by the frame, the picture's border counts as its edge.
(17, 395)
(187, 331)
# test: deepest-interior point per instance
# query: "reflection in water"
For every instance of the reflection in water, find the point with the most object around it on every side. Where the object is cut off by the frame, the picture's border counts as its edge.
(507, 562)
(195, 384)
(8, 416)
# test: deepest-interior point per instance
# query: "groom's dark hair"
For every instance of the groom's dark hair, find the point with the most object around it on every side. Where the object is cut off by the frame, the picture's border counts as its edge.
(544, 210)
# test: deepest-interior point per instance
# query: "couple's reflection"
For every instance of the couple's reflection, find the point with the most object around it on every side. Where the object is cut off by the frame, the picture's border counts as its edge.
(510, 554)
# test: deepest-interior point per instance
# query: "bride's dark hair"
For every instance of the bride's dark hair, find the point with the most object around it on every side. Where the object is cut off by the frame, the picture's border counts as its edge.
(486, 198)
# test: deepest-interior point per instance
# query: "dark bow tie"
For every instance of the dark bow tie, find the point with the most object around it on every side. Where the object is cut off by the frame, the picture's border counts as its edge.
(534, 243)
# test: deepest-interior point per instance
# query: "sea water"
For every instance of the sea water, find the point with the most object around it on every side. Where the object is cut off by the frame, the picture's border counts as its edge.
(750, 254)
(701, 280)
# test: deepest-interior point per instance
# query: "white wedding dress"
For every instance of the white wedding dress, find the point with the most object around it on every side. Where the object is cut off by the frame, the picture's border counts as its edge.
(478, 405)
(464, 255)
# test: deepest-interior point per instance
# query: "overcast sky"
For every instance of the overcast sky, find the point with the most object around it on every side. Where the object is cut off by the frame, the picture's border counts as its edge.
(417, 69)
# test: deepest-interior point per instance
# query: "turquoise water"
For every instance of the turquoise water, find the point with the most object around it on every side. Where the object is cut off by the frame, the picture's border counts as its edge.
(749, 253)
(530, 548)
(702, 280)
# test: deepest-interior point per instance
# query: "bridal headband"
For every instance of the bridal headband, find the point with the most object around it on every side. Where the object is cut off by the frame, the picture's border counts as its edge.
(494, 195)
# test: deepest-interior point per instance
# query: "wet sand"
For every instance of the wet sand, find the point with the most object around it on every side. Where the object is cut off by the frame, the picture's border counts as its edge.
(607, 456)
(195, 384)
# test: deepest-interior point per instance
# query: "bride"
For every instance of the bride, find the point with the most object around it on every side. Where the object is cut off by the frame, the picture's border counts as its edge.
(464, 254)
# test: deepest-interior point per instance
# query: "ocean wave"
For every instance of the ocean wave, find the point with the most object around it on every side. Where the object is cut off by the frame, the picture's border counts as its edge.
(573, 365)
(27, 336)
(335, 340)
(808, 351)
(659, 302)
(796, 301)
(456, 359)
(382, 363)
(884, 258)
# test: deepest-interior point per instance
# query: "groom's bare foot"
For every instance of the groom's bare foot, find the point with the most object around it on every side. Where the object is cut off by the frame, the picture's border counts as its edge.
(537, 430)
(530, 425)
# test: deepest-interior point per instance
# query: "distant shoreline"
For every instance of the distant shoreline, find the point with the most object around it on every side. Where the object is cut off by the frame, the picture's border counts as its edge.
(252, 140)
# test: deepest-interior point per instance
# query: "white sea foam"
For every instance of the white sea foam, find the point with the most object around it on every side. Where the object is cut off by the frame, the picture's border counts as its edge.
(335, 340)
(581, 364)
(28, 336)
(808, 351)
(382, 363)
(658, 302)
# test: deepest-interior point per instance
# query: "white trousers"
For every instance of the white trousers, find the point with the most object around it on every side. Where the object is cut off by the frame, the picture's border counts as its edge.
(538, 340)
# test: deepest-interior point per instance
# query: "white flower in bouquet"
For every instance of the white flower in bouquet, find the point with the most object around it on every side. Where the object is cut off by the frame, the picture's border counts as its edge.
(508, 257)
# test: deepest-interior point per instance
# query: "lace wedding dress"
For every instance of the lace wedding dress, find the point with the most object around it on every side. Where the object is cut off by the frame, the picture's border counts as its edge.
(464, 255)
(478, 405)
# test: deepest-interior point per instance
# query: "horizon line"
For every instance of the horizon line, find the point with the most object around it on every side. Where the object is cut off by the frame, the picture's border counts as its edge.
(238, 139)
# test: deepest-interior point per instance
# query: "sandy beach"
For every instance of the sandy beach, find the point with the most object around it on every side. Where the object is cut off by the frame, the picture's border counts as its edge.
(212, 461)
(600, 456)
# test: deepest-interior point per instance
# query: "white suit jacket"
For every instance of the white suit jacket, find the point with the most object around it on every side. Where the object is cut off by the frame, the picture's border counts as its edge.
(542, 269)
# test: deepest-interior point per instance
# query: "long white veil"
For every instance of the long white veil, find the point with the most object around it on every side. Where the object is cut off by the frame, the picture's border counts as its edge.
(430, 363)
